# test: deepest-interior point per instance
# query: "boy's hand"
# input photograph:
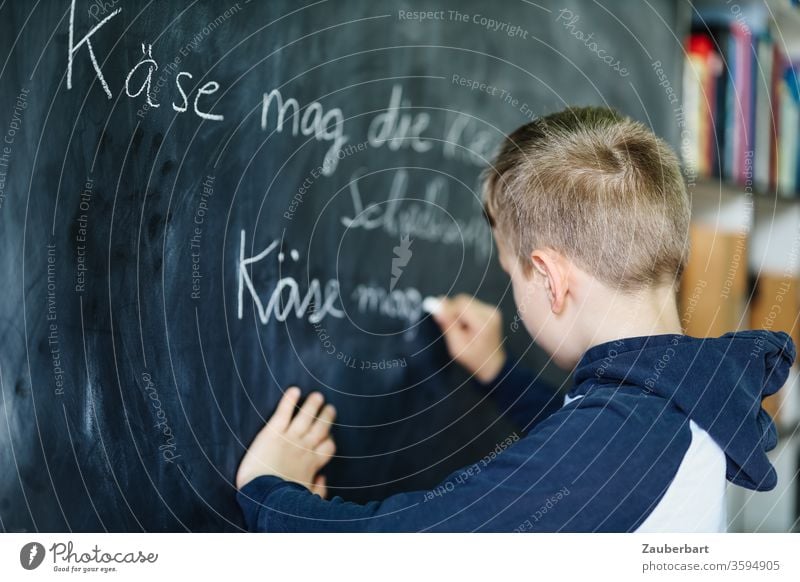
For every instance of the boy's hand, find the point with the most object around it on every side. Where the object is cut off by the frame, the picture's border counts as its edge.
(294, 449)
(473, 333)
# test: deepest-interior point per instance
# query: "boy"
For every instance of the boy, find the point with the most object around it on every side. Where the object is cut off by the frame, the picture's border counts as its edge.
(590, 215)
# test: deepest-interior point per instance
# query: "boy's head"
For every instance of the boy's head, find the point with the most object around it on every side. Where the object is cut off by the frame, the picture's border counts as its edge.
(585, 204)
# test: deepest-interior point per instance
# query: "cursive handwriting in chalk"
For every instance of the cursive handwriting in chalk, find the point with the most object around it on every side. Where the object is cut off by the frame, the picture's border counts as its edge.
(315, 305)
(324, 126)
(399, 130)
(403, 304)
(147, 64)
(400, 214)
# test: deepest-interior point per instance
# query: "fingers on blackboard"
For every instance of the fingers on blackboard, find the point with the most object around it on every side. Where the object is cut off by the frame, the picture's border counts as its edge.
(285, 410)
(321, 428)
(308, 412)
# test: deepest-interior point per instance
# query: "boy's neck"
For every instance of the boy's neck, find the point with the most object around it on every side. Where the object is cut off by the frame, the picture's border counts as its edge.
(615, 315)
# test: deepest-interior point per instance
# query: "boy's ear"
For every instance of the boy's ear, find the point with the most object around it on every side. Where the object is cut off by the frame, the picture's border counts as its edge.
(551, 266)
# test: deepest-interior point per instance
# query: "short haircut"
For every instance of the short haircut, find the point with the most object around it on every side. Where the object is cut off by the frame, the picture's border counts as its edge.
(596, 186)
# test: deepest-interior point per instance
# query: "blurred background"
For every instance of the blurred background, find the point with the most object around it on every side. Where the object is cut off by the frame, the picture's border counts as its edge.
(740, 149)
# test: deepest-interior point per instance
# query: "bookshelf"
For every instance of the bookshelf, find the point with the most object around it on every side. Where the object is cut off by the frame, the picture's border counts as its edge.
(744, 272)
(745, 248)
(741, 93)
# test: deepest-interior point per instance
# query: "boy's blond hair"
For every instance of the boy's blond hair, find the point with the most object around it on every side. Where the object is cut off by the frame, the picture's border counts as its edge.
(596, 186)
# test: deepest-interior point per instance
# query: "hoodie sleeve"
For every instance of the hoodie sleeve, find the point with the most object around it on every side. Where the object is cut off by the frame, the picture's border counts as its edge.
(588, 467)
(521, 395)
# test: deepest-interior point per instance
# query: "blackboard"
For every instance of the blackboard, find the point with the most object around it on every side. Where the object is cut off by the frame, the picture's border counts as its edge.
(206, 202)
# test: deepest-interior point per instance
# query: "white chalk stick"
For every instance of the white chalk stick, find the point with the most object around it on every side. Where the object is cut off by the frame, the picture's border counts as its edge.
(431, 305)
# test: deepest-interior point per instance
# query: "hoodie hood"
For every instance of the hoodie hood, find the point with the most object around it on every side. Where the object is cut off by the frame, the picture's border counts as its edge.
(717, 382)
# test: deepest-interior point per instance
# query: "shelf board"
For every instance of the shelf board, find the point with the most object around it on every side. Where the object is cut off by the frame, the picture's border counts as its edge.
(723, 189)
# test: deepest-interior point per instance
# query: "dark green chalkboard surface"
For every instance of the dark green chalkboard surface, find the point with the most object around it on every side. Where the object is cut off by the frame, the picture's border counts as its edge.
(202, 203)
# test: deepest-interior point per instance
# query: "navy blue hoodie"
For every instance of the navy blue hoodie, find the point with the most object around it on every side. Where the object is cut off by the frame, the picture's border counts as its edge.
(601, 462)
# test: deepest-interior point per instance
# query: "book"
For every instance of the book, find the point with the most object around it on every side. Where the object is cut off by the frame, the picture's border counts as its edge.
(764, 119)
(742, 113)
(702, 70)
(789, 126)
(739, 98)
(778, 66)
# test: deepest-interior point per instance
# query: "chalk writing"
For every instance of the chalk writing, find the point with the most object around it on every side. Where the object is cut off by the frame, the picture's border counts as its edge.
(424, 220)
(466, 142)
(313, 122)
(73, 47)
(404, 304)
(398, 130)
(147, 62)
(315, 305)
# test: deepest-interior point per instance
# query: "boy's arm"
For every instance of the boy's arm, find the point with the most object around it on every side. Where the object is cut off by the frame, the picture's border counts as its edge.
(591, 466)
(521, 395)
(473, 333)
